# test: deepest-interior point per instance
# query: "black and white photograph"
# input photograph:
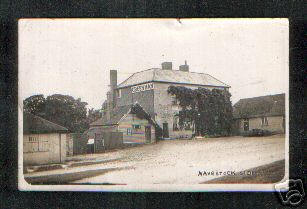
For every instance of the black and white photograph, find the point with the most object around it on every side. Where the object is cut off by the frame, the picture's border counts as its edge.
(162, 105)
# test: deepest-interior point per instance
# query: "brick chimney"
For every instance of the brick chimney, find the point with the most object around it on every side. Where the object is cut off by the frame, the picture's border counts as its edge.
(184, 67)
(113, 86)
(167, 65)
(111, 95)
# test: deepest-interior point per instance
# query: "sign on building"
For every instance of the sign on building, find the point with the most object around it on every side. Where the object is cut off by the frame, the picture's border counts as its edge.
(142, 87)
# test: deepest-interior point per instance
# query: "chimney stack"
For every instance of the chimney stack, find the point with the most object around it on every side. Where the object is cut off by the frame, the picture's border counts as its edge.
(167, 66)
(113, 86)
(184, 67)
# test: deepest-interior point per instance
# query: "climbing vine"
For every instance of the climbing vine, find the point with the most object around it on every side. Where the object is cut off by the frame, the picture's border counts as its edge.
(209, 110)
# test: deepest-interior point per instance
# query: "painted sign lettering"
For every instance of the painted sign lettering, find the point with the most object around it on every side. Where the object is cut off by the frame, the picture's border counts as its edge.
(143, 87)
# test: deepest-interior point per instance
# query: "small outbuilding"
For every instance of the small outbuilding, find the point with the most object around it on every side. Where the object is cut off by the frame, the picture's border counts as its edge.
(133, 121)
(265, 112)
(44, 142)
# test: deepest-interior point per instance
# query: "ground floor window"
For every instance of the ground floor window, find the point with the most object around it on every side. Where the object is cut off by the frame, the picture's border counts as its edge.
(36, 144)
(264, 121)
(129, 131)
(176, 123)
(185, 124)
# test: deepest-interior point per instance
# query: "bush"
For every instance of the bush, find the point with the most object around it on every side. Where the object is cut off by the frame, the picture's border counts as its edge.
(257, 132)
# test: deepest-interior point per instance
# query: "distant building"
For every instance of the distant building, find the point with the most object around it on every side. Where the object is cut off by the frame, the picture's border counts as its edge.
(44, 142)
(149, 89)
(265, 112)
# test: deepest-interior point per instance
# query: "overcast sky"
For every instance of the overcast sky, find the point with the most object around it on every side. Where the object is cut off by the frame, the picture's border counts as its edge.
(74, 56)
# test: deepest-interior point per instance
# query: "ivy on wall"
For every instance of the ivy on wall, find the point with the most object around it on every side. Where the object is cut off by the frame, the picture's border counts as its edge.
(209, 110)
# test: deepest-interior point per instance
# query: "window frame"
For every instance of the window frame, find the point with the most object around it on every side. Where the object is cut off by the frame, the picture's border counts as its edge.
(129, 131)
(136, 125)
(36, 144)
(246, 124)
(264, 121)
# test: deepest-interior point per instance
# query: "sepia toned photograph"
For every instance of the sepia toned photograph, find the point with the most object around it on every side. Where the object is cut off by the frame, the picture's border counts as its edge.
(153, 104)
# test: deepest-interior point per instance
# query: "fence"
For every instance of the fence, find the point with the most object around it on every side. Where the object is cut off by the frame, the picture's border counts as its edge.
(102, 141)
(69, 145)
(108, 140)
(79, 143)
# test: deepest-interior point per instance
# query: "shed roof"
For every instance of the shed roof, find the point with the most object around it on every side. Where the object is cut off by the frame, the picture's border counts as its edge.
(171, 76)
(271, 105)
(33, 124)
(120, 111)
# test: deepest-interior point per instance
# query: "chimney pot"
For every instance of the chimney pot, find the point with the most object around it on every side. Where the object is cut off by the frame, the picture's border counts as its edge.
(167, 65)
(184, 67)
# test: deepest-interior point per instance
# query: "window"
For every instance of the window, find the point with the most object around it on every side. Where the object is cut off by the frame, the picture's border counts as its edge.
(136, 126)
(187, 125)
(129, 131)
(174, 100)
(43, 145)
(264, 121)
(33, 139)
(176, 123)
(119, 93)
(35, 144)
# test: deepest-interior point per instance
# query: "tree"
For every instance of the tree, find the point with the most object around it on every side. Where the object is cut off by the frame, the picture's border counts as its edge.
(35, 104)
(93, 115)
(209, 110)
(60, 109)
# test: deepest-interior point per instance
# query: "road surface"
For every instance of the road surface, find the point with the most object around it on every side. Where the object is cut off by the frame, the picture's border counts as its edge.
(182, 161)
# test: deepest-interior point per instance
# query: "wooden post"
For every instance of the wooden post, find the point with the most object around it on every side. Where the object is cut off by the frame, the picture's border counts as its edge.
(95, 143)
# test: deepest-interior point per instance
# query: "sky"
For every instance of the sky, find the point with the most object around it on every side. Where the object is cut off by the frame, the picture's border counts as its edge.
(74, 56)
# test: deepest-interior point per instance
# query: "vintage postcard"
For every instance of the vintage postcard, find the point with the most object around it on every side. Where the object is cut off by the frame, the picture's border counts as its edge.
(153, 104)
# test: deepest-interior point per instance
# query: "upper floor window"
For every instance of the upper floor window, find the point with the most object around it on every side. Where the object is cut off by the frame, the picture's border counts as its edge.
(174, 100)
(136, 126)
(119, 93)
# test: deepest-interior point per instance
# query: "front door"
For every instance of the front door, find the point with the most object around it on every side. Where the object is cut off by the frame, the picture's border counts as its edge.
(165, 130)
(246, 125)
(148, 134)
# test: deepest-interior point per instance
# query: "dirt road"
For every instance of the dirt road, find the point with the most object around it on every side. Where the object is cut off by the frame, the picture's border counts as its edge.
(187, 161)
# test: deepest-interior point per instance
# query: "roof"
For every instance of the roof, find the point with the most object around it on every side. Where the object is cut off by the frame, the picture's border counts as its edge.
(33, 124)
(171, 76)
(271, 105)
(94, 130)
(119, 112)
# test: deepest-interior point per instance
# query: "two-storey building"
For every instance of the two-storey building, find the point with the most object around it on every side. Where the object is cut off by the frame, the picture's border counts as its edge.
(149, 88)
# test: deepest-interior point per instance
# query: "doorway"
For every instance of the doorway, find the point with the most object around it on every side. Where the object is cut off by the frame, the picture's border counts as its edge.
(165, 132)
(246, 125)
(148, 134)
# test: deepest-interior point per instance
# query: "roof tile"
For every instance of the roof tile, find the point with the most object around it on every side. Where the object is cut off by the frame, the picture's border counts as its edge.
(271, 105)
(171, 76)
(33, 124)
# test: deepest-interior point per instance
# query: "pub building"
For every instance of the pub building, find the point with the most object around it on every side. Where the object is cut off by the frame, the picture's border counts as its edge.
(148, 89)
